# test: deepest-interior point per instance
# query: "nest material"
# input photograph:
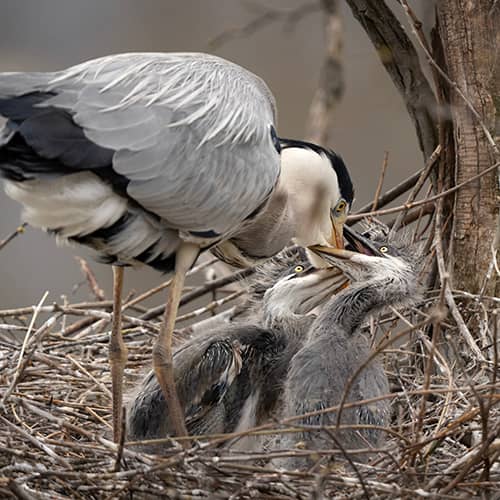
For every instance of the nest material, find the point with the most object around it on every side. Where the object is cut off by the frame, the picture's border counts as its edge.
(55, 433)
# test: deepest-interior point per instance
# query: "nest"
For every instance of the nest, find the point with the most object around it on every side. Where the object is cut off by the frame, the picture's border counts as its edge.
(55, 431)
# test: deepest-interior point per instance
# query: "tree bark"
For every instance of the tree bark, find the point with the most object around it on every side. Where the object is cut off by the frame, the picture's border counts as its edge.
(469, 33)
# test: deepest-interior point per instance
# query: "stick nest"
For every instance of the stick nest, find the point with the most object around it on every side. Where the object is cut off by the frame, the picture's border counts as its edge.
(55, 422)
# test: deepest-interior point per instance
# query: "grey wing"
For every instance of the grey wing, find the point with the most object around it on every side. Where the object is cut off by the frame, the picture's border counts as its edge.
(203, 375)
(191, 132)
(208, 382)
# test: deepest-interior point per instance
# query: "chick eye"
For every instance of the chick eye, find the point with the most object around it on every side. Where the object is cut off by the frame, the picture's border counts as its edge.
(383, 249)
(299, 269)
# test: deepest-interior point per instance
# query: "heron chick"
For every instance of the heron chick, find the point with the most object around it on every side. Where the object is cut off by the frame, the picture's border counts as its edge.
(230, 378)
(152, 158)
(383, 272)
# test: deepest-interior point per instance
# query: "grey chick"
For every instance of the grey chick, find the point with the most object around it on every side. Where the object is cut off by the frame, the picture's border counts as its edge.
(231, 378)
(383, 272)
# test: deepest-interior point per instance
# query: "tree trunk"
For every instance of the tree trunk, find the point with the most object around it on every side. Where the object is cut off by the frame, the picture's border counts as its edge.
(469, 34)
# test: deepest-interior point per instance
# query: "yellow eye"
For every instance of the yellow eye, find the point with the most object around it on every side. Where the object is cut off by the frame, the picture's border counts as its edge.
(341, 206)
(383, 249)
(299, 269)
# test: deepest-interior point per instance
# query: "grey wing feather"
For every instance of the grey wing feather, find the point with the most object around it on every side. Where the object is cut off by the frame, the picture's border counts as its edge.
(204, 381)
(190, 131)
(203, 373)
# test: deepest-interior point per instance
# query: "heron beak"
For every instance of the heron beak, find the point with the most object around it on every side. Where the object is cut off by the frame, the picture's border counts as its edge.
(337, 237)
(338, 253)
(358, 245)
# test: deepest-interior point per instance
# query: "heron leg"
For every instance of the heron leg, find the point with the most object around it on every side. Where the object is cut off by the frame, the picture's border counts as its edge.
(162, 350)
(117, 353)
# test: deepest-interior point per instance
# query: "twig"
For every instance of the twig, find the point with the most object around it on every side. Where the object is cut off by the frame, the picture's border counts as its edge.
(211, 306)
(268, 16)
(372, 356)
(431, 199)
(450, 301)
(19, 230)
(46, 449)
(89, 275)
(24, 360)
(30, 328)
(429, 164)
(92, 324)
(200, 291)
(380, 183)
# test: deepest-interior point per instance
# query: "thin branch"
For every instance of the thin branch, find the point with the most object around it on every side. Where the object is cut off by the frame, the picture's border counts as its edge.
(202, 290)
(19, 230)
(431, 199)
(90, 277)
(267, 17)
(380, 182)
(429, 165)
(389, 196)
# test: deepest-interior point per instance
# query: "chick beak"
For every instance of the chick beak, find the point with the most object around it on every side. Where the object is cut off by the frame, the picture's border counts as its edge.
(339, 253)
(359, 243)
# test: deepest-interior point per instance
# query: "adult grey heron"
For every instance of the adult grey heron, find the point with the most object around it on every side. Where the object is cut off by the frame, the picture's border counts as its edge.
(382, 272)
(230, 378)
(151, 158)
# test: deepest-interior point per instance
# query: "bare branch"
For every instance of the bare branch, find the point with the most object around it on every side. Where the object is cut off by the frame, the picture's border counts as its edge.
(92, 280)
(19, 230)
(268, 16)
(380, 182)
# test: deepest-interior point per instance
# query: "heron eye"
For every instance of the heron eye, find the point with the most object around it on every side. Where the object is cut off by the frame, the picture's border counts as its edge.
(341, 206)
(299, 269)
(383, 249)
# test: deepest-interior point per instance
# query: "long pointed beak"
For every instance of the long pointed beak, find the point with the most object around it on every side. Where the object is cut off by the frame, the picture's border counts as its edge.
(323, 284)
(339, 253)
(337, 237)
(358, 242)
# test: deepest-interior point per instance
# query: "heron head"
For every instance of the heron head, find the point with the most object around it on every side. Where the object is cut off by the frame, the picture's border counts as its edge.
(320, 191)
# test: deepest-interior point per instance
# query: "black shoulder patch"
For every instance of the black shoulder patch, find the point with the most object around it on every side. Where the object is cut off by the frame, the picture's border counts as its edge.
(53, 134)
(19, 108)
(46, 141)
(275, 139)
(205, 234)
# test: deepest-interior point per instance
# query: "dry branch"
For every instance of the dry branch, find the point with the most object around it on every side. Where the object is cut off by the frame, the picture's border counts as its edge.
(19, 230)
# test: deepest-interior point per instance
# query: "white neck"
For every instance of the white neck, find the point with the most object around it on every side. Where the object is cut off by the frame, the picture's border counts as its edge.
(311, 185)
(298, 210)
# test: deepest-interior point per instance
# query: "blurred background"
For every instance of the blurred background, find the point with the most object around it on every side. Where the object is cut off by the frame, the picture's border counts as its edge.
(42, 36)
